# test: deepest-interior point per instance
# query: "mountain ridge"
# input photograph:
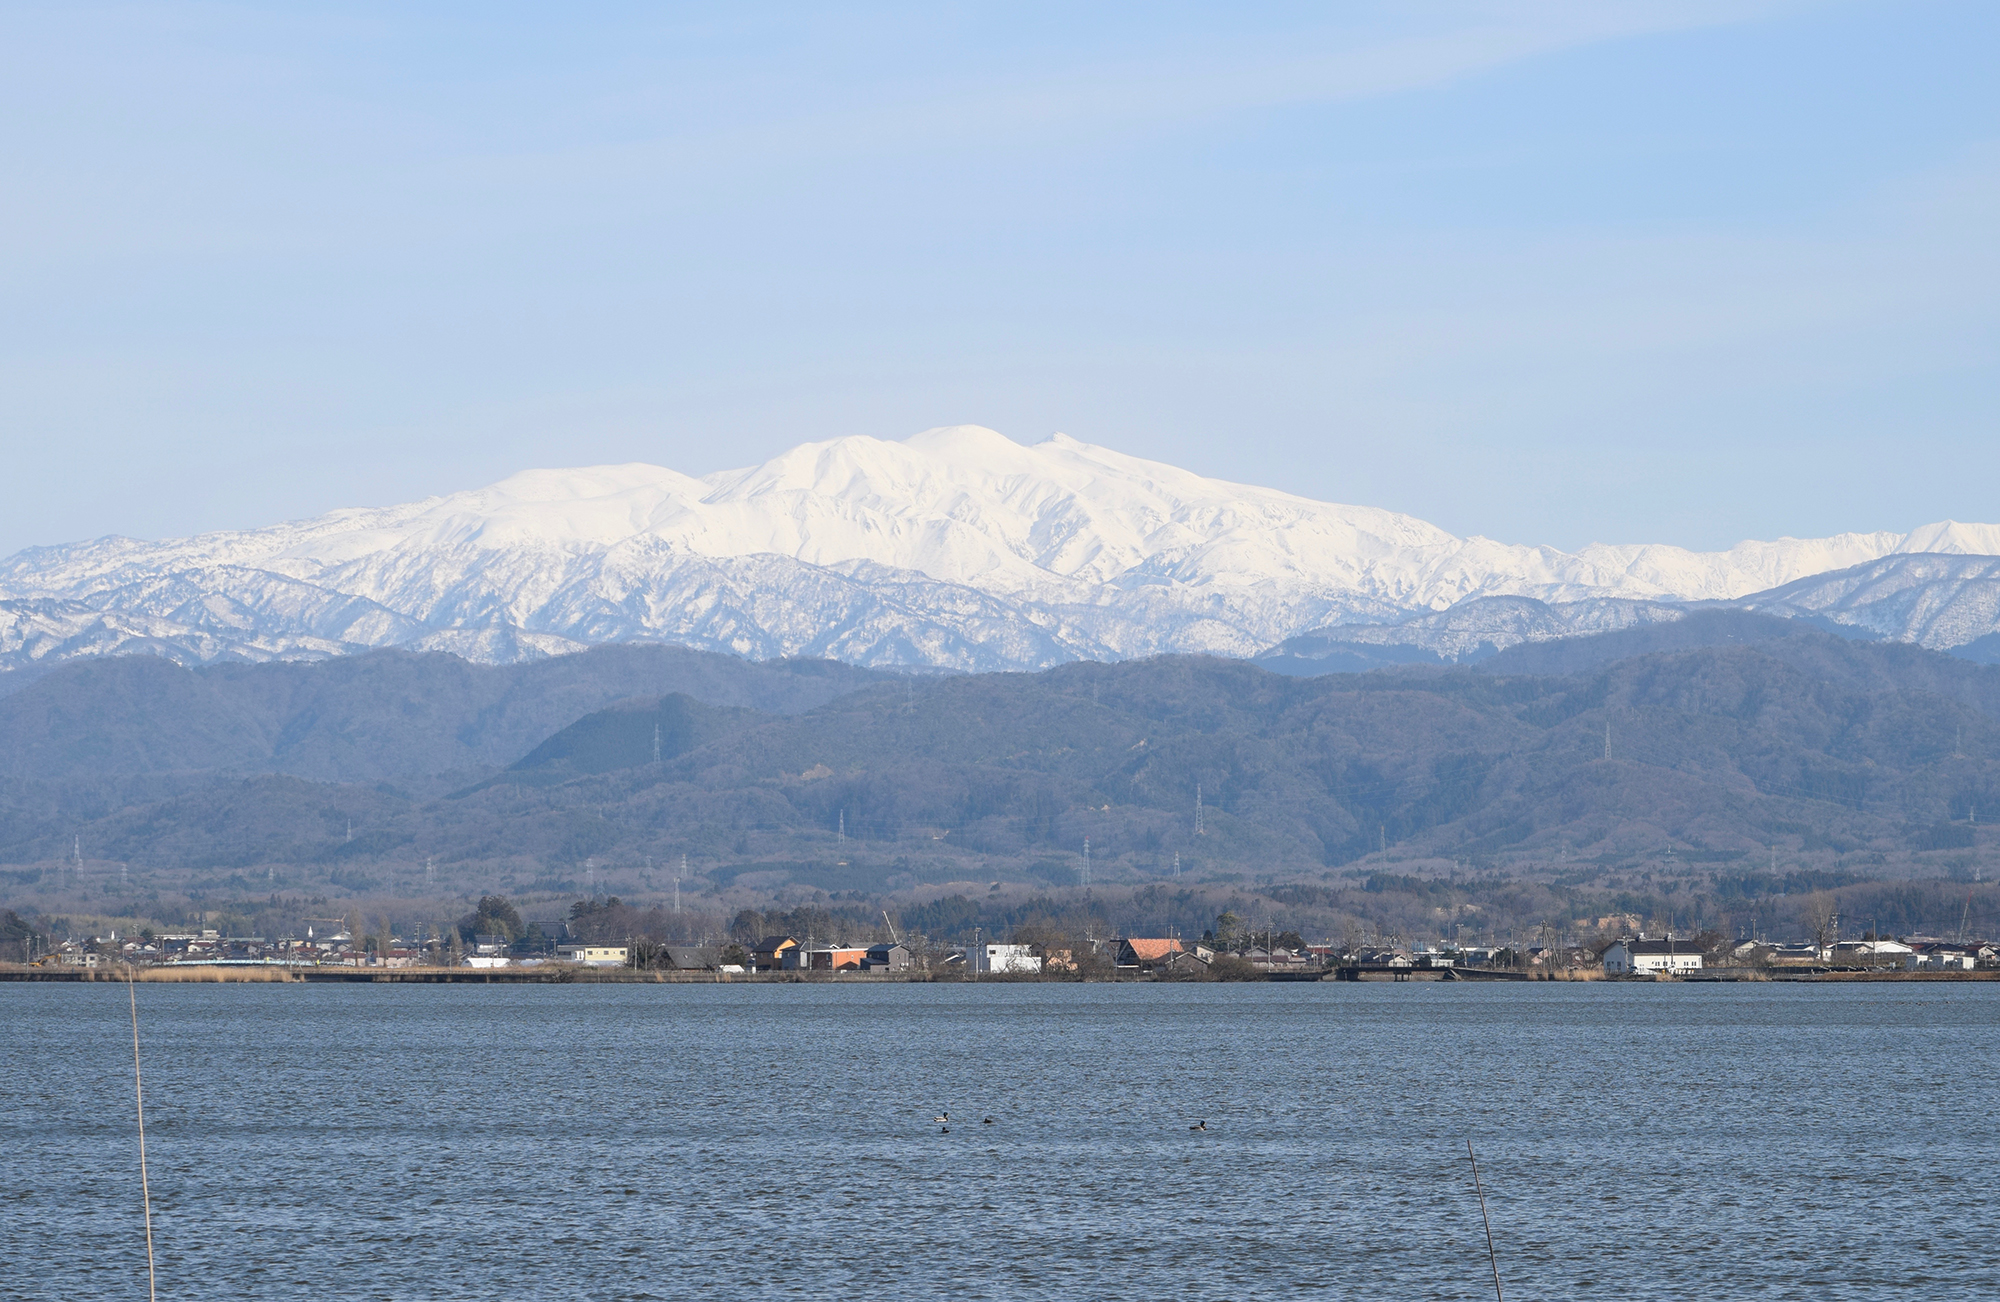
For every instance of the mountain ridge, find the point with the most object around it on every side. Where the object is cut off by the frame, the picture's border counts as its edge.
(956, 548)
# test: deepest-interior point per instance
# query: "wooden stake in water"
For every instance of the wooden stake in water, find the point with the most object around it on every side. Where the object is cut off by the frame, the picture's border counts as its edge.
(1491, 1256)
(139, 1096)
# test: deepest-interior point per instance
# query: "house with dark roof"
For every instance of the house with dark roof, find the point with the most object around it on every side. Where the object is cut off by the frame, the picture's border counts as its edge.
(1147, 954)
(886, 957)
(768, 954)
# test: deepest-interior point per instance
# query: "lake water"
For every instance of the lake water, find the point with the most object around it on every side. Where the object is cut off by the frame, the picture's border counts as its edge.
(688, 1141)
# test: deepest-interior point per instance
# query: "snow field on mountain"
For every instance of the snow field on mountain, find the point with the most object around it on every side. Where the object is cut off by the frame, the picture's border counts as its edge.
(956, 548)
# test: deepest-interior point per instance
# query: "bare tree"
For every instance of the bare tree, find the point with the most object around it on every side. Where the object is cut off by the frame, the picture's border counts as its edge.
(1819, 914)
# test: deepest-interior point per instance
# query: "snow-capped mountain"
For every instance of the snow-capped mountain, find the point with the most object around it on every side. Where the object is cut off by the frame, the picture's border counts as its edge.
(1937, 601)
(956, 548)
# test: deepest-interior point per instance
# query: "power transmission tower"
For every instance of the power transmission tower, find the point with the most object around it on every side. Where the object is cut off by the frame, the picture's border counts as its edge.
(1197, 809)
(1086, 861)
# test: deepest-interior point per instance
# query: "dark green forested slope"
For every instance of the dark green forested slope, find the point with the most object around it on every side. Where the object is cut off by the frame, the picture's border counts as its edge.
(1737, 767)
(1714, 750)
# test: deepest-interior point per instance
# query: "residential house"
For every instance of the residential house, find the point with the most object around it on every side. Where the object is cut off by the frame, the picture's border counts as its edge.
(886, 957)
(1640, 957)
(1187, 963)
(1938, 956)
(825, 958)
(689, 958)
(1146, 955)
(768, 954)
(1871, 953)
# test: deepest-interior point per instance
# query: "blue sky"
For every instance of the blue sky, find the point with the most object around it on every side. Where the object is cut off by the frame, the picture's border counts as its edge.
(1548, 272)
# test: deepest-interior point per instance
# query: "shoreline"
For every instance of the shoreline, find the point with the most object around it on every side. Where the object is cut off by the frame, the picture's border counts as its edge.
(218, 974)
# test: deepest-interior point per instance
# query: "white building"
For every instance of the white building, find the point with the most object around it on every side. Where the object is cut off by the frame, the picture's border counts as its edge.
(1873, 953)
(1630, 957)
(1001, 958)
(594, 955)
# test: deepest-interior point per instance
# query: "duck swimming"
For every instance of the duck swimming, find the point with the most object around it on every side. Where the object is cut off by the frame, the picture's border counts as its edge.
(1199, 1125)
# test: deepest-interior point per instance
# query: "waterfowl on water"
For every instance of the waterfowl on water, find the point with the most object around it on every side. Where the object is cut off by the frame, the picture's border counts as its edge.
(988, 1121)
(941, 1118)
(1199, 1125)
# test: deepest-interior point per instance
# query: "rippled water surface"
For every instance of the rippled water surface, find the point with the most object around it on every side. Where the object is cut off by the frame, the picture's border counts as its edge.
(735, 1141)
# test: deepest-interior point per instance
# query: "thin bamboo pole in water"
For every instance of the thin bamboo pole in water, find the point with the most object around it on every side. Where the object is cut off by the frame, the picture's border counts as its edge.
(139, 1097)
(1491, 1256)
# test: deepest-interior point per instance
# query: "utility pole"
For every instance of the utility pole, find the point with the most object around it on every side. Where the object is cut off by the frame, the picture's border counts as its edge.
(677, 883)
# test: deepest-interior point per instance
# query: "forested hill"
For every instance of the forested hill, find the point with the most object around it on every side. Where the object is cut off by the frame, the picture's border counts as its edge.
(364, 718)
(1713, 750)
(1730, 768)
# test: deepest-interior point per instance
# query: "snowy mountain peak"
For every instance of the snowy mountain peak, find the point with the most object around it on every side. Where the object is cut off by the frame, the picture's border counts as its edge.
(956, 547)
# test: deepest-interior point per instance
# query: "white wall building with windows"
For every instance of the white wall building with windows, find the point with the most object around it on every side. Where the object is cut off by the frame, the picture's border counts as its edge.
(1640, 957)
(1001, 958)
(594, 955)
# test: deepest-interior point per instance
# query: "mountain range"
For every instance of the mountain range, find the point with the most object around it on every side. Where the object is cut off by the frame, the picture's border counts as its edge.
(955, 549)
(1707, 769)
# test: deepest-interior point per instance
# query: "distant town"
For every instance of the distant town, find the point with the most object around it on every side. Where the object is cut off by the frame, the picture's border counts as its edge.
(495, 941)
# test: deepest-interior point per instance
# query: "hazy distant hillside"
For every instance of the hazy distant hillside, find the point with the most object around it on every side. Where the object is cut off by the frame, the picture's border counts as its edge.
(385, 715)
(1733, 772)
